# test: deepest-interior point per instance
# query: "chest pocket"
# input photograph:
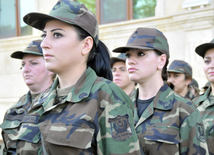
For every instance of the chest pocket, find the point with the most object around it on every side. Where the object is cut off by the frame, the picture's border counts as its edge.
(161, 141)
(71, 136)
(27, 130)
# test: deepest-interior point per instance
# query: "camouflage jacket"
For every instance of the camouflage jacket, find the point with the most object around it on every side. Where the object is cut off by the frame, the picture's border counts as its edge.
(189, 95)
(170, 125)
(96, 117)
(205, 104)
(132, 94)
(20, 132)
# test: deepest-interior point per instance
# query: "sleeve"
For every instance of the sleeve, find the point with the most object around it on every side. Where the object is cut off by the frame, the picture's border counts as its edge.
(117, 130)
(192, 134)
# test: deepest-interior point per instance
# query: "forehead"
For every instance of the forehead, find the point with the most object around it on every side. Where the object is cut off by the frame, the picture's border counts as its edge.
(56, 23)
(29, 57)
(209, 52)
(119, 64)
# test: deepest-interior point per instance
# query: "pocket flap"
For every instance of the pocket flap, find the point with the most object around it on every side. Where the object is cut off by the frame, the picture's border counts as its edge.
(73, 136)
(163, 134)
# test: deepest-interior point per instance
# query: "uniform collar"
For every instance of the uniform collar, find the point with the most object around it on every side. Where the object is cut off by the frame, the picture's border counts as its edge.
(78, 92)
(203, 96)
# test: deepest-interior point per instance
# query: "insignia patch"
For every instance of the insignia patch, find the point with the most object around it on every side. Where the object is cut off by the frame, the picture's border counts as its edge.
(200, 132)
(120, 127)
(135, 34)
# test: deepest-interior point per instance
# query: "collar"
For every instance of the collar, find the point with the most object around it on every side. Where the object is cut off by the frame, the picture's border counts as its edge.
(203, 97)
(78, 92)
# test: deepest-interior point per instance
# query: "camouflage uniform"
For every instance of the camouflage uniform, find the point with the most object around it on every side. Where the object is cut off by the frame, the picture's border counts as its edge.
(170, 125)
(96, 117)
(20, 132)
(205, 104)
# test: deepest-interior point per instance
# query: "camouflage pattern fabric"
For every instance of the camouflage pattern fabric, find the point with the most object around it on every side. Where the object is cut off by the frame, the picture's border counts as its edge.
(189, 95)
(205, 104)
(171, 125)
(70, 12)
(179, 66)
(20, 132)
(147, 39)
(132, 94)
(96, 117)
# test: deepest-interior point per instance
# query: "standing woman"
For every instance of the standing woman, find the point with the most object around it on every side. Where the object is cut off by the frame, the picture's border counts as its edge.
(85, 113)
(20, 132)
(205, 102)
(166, 123)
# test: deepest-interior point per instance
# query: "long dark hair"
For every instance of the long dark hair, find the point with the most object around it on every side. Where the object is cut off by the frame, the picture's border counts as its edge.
(99, 57)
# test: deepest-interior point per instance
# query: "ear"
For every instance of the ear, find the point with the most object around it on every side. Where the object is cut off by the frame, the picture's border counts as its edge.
(161, 61)
(87, 45)
(188, 81)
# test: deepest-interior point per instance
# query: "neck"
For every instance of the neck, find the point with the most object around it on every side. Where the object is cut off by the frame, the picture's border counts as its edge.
(149, 89)
(69, 78)
(37, 89)
(183, 92)
(129, 88)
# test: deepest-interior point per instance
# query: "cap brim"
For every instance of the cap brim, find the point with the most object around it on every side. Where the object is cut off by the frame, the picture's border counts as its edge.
(175, 71)
(36, 20)
(113, 60)
(127, 48)
(20, 54)
(202, 49)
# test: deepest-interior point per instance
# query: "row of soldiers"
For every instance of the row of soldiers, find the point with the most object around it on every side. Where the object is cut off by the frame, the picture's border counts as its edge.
(74, 104)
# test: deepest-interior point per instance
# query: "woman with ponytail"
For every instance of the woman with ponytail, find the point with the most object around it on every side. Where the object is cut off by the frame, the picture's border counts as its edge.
(85, 112)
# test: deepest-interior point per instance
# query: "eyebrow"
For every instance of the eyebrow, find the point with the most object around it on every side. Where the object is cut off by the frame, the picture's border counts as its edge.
(55, 30)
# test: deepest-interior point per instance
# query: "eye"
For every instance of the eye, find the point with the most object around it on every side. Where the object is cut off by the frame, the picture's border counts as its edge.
(140, 54)
(127, 55)
(22, 66)
(123, 69)
(34, 63)
(113, 70)
(176, 75)
(57, 35)
(43, 35)
(206, 61)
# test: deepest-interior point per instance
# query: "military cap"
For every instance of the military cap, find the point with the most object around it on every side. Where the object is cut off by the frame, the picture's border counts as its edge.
(67, 11)
(146, 38)
(179, 66)
(194, 83)
(203, 48)
(120, 57)
(206, 85)
(33, 48)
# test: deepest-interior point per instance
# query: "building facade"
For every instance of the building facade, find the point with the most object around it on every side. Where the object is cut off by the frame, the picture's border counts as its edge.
(185, 23)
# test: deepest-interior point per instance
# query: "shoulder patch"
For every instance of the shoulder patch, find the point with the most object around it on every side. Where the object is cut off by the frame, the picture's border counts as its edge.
(120, 127)
(200, 132)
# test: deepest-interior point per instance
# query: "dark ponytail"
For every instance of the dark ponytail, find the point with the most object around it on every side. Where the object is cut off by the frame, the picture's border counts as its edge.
(99, 57)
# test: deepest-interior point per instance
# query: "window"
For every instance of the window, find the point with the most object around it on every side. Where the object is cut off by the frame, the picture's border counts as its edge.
(109, 11)
(11, 15)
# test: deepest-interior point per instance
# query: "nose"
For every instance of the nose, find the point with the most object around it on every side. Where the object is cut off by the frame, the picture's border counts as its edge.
(45, 43)
(116, 72)
(170, 79)
(130, 61)
(26, 68)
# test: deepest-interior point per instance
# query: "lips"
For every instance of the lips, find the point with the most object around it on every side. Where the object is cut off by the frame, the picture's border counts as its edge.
(117, 80)
(131, 70)
(46, 56)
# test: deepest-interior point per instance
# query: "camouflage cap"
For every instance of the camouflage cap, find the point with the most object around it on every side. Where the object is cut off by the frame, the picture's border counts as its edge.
(120, 57)
(146, 38)
(179, 66)
(207, 85)
(194, 83)
(202, 49)
(33, 48)
(70, 12)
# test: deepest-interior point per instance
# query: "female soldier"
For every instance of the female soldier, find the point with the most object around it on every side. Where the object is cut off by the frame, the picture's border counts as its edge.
(121, 75)
(166, 123)
(84, 113)
(19, 129)
(205, 102)
(180, 75)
